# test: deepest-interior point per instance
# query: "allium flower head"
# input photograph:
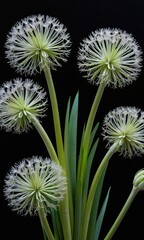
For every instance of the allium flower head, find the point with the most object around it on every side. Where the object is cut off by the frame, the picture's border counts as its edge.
(35, 41)
(34, 184)
(110, 55)
(125, 126)
(18, 100)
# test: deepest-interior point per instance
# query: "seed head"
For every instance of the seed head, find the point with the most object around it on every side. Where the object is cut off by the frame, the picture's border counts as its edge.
(36, 41)
(34, 183)
(18, 100)
(111, 56)
(125, 126)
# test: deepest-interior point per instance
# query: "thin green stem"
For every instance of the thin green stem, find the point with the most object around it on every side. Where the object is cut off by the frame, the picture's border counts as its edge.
(88, 129)
(65, 218)
(93, 112)
(45, 225)
(94, 185)
(82, 163)
(44, 137)
(64, 206)
(56, 116)
(122, 214)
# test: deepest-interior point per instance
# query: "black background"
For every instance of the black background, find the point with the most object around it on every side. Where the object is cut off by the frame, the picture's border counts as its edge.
(80, 17)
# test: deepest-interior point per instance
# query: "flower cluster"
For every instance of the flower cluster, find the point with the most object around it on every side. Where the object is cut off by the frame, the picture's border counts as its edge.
(19, 99)
(111, 56)
(35, 183)
(125, 125)
(36, 41)
(107, 57)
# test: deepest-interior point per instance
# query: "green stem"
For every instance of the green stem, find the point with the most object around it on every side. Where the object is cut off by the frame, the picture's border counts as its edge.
(93, 112)
(94, 185)
(56, 117)
(44, 137)
(45, 225)
(64, 207)
(82, 163)
(65, 218)
(86, 139)
(122, 214)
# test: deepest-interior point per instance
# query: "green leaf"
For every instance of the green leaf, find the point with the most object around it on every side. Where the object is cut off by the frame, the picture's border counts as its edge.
(89, 163)
(70, 148)
(88, 171)
(101, 216)
(83, 181)
(78, 195)
(93, 133)
(95, 206)
(58, 232)
(72, 154)
(66, 137)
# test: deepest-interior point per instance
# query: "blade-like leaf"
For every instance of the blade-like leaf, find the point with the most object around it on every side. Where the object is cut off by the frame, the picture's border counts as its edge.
(100, 217)
(58, 232)
(88, 171)
(94, 210)
(72, 153)
(70, 147)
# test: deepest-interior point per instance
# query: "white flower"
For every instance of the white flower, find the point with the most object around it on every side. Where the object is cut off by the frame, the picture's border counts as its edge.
(125, 125)
(18, 100)
(34, 183)
(35, 41)
(111, 56)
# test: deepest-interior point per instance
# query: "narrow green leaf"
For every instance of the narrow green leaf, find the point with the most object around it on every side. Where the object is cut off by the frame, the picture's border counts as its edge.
(78, 195)
(88, 171)
(80, 156)
(93, 133)
(70, 147)
(58, 232)
(84, 153)
(73, 142)
(83, 182)
(66, 136)
(67, 161)
(95, 206)
(101, 217)
(89, 163)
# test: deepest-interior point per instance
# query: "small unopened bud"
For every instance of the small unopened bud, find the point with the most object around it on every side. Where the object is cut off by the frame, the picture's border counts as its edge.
(138, 181)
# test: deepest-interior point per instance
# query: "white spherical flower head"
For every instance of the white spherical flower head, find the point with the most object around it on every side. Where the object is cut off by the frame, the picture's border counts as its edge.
(35, 41)
(19, 100)
(125, 126)
(34, 184)
(111, 56)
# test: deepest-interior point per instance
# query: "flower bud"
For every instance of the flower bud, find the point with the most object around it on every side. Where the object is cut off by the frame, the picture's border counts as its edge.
(138, 181)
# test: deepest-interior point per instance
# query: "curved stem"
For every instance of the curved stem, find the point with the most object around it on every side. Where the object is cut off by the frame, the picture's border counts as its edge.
(93, 112)
(44, 137)
(45, 225)
(89, 125)
(64, 206)
(56, 117)
(121, 214)
(94, 185)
